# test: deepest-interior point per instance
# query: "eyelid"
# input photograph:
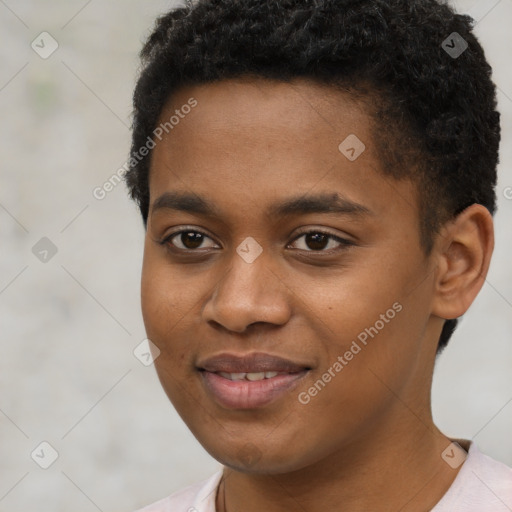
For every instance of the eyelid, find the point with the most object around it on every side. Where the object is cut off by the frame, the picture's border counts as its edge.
(186, 229)
(343, 244)
(323, 231)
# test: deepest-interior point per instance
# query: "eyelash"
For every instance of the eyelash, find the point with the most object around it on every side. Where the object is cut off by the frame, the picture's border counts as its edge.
(343, 242)
(166, 241)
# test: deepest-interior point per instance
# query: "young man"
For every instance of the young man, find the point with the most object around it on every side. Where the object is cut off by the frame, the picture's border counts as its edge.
(318, 197)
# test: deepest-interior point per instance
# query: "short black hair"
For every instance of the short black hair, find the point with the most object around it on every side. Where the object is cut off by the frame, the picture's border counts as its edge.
(432, 98)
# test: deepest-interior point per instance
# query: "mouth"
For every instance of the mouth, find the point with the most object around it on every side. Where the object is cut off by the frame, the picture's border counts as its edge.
(251, 376)
(249, 381)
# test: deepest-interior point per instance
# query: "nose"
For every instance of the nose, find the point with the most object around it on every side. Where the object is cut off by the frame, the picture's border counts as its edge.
(248, 293)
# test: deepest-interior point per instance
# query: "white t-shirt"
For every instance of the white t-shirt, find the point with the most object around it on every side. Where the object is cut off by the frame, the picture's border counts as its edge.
(482, 485)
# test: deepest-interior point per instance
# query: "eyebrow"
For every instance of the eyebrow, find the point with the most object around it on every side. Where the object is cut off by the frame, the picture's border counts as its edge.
(319, 203)
(184, 202)
(304, 204)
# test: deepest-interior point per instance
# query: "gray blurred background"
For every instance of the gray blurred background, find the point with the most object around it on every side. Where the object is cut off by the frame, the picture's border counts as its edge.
(70, 268)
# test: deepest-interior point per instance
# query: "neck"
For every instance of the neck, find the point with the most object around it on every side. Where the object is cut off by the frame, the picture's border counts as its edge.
(405, 472)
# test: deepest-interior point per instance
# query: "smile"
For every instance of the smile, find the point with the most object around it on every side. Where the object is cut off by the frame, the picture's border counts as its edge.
(250, 376)
(249, 381)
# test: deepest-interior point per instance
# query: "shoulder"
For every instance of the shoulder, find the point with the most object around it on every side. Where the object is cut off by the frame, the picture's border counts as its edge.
(199, 497)
(482, 484)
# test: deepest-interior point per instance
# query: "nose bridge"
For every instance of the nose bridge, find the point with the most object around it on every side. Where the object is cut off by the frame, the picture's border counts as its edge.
(248, 292)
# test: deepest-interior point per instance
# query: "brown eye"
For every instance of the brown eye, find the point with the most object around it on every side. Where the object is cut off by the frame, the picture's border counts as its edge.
(317, 241)
(190, 240)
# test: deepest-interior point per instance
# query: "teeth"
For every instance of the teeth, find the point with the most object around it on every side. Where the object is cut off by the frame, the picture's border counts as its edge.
(255, 376)
(248, 376)
(233, 376)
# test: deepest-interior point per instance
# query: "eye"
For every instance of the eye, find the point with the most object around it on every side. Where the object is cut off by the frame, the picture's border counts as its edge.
(318, 241)
(188, 240)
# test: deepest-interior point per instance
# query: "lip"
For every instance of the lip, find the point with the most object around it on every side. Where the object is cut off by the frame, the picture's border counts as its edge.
(244, 394)
(248, 363)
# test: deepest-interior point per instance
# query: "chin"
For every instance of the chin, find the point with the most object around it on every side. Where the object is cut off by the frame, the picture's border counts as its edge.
(249, 458)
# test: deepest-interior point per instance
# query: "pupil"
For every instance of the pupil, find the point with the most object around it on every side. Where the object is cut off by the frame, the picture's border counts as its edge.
(191, 240)
(317, 241)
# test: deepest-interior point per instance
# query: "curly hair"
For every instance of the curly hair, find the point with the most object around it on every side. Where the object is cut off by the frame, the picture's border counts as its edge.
(435, 119)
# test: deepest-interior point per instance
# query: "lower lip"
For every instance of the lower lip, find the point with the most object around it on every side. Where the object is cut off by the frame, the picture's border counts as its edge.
(245, 394)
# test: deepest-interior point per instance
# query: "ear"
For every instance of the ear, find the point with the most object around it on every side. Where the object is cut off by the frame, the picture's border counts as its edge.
(463, 252)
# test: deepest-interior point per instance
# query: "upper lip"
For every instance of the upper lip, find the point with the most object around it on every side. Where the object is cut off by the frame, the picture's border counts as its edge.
(250, 363)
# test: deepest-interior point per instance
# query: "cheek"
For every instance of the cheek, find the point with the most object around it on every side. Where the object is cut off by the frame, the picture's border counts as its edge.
(373, 322)
(345, 303)
(163, 300)
(164, 310)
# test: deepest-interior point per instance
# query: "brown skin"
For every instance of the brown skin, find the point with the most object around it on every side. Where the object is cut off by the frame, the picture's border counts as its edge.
(367, 440)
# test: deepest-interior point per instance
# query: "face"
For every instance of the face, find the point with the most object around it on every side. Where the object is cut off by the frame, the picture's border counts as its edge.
(283, 280)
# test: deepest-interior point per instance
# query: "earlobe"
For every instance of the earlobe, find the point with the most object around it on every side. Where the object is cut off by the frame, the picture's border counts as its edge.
(464, 249)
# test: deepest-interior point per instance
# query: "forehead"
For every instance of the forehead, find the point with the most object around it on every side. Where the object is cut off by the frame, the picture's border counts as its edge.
(254, 141)
(299, 110)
